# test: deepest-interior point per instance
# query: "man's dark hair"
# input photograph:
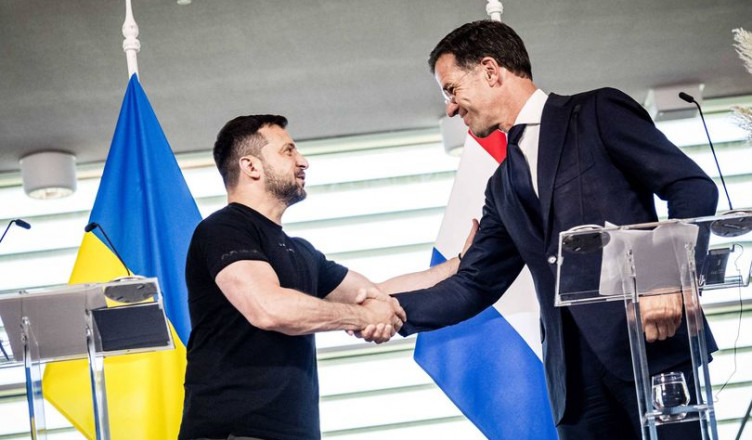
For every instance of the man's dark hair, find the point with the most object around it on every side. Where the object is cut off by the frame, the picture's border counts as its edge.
(471, 42)
(238, 138)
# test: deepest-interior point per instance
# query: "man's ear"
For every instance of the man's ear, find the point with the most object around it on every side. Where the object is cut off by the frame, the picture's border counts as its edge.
(250, 166)
(492, 71)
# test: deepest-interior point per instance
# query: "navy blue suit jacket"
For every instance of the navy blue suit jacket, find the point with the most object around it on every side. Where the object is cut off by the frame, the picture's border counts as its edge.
(600, 159)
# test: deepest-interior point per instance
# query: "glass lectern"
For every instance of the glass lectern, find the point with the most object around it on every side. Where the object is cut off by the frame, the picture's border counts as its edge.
(80, 321)
(628, 263)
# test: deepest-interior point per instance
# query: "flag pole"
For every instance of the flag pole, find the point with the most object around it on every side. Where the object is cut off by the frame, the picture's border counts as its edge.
(494, 9)
(131, 45)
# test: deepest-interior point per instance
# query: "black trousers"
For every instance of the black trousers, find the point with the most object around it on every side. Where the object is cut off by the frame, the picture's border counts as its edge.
(603, 406)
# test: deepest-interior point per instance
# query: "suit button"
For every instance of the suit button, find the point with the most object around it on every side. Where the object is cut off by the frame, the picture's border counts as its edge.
(551, 259)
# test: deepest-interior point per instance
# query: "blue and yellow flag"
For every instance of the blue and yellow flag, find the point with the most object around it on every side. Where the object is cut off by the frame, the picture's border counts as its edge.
(148, 212)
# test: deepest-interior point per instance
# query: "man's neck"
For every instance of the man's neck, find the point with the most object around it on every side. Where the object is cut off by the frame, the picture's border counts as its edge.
(264, 204)
(520, 93)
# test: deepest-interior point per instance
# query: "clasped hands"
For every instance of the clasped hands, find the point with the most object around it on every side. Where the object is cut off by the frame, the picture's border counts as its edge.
(382, 313)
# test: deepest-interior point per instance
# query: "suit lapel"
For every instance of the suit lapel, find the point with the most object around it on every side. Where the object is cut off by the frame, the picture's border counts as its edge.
(554, 124)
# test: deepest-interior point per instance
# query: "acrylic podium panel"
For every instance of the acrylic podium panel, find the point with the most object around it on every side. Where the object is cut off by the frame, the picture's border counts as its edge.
(80, 321)
(628, 263)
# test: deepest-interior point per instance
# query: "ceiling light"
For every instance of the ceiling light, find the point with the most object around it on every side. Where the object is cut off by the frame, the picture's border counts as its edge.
(48, 174)
(664, 104)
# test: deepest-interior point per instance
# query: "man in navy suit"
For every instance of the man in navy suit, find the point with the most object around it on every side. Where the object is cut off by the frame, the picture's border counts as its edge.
(589, 158)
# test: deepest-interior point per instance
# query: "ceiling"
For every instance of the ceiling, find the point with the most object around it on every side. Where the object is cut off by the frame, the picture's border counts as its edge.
(333, 67)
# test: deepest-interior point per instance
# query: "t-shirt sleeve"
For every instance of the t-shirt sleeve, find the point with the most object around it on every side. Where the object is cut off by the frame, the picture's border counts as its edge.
(330, 274)
(224, 243)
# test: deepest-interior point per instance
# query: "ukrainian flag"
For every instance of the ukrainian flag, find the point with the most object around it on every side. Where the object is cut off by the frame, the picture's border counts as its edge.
(148, 212)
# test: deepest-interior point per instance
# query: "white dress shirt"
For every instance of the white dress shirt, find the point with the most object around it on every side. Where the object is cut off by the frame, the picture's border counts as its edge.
(530, 115)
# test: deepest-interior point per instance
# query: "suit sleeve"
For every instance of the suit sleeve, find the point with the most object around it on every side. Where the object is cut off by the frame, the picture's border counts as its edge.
(646, 156)
(486, 271)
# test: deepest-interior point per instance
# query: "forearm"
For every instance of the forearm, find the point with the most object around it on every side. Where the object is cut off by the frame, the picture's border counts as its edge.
(691, 197)
(295, 313)
(252, 287)
(449, 302)
(488, 267)
(348, 291)
(420, 280)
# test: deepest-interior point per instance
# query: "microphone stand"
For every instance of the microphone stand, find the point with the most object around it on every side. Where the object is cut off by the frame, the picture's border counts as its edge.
(24, 225)
(724, 228)
(744, 421)
(689, 99)
(727, 227)
(18, 222)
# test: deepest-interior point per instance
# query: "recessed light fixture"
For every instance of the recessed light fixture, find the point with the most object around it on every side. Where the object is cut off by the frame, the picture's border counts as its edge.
(48, 174)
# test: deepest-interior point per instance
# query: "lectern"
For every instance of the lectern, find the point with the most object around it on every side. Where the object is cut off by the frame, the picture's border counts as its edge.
(80, 321)
(629, 263)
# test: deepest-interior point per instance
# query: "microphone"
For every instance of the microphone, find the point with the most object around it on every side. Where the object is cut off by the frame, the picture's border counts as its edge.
(730, 227)
(585, 239)
(18, 222)
(93, 225)
(22, 223)
(690, 100)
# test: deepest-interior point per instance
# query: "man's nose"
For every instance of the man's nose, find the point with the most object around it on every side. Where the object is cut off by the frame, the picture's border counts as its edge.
(302, 161)
(451, 108)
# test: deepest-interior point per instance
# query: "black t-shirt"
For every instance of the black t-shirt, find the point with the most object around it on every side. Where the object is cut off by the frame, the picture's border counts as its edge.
(242, 380)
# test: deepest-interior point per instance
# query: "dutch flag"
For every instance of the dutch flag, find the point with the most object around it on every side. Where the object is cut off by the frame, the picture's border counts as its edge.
(491, 365)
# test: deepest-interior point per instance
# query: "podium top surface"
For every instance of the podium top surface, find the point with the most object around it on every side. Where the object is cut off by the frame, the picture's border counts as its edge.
(739, 221)
(54, 320)
(610, 262)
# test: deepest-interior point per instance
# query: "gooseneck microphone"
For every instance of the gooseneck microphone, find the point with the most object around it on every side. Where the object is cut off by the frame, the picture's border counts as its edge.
(18, 222)
(24, 225)
(689, 99)
(732, 226)
(21, 223)
(94, 225)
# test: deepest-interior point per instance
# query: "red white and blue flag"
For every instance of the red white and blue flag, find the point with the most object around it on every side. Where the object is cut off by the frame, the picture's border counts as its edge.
(491, 365)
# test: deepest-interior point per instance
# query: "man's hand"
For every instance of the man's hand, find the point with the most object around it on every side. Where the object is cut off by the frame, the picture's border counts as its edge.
(661, 315)
(388, 319)
(470, 236)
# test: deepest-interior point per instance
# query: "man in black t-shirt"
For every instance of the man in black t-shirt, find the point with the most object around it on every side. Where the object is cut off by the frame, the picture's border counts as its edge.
(256, 296)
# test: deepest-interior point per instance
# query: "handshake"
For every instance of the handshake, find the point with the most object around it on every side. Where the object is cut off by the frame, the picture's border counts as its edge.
(379, 316)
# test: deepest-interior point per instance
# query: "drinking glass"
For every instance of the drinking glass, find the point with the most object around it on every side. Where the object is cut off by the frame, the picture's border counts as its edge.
(669, 391)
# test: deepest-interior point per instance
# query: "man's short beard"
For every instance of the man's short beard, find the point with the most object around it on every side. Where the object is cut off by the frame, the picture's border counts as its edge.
(288, 192)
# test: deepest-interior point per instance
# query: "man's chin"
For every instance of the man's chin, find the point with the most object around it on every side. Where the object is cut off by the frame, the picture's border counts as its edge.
(481, 132)
(297, 197)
